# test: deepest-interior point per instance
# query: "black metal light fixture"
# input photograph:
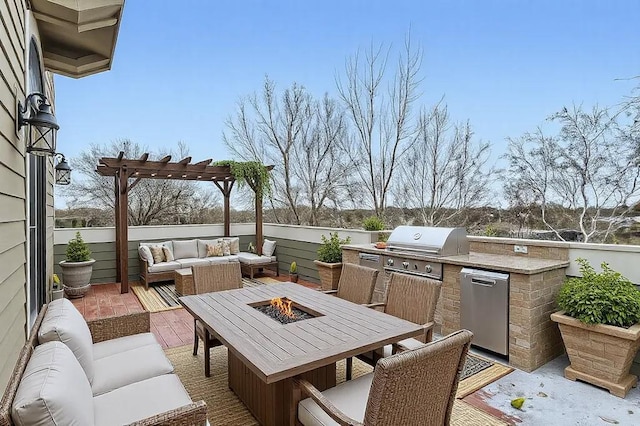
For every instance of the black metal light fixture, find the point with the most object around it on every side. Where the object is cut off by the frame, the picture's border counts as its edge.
(43, 125)
(63, 170)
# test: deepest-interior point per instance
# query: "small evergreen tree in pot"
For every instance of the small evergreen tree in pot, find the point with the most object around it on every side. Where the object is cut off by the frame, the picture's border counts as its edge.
(599, 323)
(329, 261)
(77, 268)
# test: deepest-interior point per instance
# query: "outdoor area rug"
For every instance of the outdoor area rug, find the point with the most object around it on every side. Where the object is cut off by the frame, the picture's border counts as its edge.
(479, 372)
(163, 297)
(224, 408)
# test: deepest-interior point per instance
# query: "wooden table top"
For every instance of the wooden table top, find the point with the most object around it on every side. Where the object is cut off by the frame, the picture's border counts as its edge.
(274, 351)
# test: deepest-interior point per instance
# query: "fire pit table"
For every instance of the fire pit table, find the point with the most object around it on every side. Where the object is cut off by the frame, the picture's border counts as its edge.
(265, 354)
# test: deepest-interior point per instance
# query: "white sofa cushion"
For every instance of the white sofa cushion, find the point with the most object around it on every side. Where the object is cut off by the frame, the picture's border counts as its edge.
(145, 254)
(122, 344)
(124, 368)
(165, 266)
(140, 400)
(54, 389)
(254, 259)
(194, 261)
(222, 259)
(183, 249)
(202, 246)
(349, 397)
(409, 344)
(63, 323)
(268, 247)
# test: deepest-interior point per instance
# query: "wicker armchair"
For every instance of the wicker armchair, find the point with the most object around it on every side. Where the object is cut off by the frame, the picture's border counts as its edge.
(415, 387)
(356, 285)
(208, 279)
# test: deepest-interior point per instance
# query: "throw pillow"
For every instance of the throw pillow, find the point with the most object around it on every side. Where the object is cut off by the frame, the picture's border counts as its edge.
(226, 250)
(268, 247)
(146, 255)
(158, 254)
(167, 254)
(234, 245)
(214, 249)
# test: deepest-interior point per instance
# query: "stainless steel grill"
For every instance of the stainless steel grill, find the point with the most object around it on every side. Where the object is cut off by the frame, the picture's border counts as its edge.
(416, 249)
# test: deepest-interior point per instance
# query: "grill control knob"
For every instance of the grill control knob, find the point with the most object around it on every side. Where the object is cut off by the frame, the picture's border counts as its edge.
(427, 268)
(390, 262)
(415, 266)
(405, 265)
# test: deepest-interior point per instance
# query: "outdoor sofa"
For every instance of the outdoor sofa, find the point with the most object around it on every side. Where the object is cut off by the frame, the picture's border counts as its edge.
(103, 372)
(179, 254)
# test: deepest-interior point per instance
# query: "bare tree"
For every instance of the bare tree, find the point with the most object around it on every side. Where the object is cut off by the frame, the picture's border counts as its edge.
(444, 173)
(151, 201)
(589, 171)
(381, 116)
(301, 136)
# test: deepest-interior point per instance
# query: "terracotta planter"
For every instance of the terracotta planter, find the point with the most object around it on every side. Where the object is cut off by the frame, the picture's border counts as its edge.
(600, 354)
(76, 277)
(329, 274)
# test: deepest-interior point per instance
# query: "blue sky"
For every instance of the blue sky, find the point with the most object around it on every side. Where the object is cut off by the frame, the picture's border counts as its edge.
(180, 66)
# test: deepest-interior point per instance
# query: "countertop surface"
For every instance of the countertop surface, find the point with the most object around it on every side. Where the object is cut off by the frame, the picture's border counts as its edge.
(496, 262)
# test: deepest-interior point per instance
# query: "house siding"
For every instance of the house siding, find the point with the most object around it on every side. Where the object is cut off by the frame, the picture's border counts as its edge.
(13, 277)
(13, 188)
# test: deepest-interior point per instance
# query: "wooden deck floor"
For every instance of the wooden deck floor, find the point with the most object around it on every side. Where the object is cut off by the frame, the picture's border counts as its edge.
(171, 328)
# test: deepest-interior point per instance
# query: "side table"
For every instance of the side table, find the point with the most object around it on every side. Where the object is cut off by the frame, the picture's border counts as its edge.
(184, 281)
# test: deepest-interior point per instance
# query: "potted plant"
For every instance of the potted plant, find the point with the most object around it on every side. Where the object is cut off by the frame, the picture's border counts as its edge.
(77, 268)
(599, 325)
(57, 292)
(293, 272)
(329, 261)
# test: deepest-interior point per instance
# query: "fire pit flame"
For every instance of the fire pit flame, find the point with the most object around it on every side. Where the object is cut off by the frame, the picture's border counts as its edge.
(284, 306)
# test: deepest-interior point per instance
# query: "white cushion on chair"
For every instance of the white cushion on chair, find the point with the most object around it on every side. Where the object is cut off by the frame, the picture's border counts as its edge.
(268, 247)
(254, 259)
(145, 254)
(349, 397)
(124, 368)
(140, 400)
(54, 389)
(222, 259)
(63, 323)
(165, 266)
(409, 344)
(122, 344)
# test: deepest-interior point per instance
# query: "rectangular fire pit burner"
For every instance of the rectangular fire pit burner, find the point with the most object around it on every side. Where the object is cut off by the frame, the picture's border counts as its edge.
(285, 310)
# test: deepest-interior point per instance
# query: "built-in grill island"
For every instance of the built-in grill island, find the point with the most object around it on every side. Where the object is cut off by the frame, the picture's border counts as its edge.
(534, 278)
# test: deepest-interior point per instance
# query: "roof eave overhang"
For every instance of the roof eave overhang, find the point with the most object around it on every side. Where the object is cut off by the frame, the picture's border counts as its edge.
(78, 37)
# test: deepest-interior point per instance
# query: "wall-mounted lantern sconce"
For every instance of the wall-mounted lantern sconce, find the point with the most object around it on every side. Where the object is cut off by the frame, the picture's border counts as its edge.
(63, 171)
(43, 126)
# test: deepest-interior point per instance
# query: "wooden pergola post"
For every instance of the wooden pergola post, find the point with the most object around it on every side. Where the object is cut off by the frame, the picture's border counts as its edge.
(124, 169)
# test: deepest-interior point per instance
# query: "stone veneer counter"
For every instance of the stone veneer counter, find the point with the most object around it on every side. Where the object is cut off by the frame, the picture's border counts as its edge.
(496, 262)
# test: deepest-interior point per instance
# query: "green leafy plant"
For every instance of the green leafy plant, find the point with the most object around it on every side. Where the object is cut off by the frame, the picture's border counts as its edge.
(373, 223)
(78, 250)
(330, 251)
(252, 173)
(600, 297)
(293, 268)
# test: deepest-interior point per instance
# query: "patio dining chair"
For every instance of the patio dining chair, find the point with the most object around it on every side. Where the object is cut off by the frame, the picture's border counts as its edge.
(415, 387)
(356, 285)
(208, 279)
(412, 298)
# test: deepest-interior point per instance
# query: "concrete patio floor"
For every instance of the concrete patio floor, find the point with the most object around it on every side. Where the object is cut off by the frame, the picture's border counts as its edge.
(553, 400)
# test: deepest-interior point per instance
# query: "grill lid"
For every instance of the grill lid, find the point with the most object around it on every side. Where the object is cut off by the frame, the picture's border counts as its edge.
(429, 240)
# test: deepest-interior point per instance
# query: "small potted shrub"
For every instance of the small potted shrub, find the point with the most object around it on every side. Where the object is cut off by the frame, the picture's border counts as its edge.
(293, 272)
(599, 325)
(77, 268)
(329, 261)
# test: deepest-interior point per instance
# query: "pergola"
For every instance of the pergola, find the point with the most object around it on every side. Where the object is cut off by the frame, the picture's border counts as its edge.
(127, 174)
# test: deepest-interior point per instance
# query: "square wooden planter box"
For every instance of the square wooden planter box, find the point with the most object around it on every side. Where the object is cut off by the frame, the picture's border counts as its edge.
(600, 354)
(329, 274)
